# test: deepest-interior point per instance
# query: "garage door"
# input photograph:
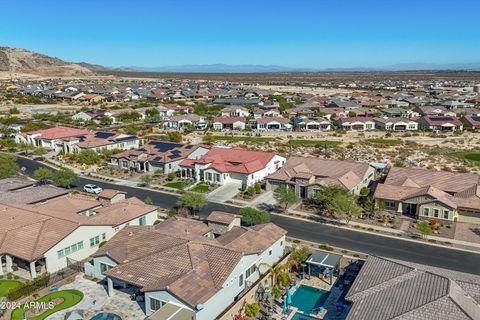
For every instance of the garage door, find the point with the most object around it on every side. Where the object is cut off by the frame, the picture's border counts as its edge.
(468, 219)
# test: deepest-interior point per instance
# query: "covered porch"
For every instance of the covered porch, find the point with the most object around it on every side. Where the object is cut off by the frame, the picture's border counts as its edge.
(323, 264)
(172, 312)
(20, 267)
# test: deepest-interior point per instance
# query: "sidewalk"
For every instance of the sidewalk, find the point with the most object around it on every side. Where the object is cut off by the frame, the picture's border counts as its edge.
(363, 227)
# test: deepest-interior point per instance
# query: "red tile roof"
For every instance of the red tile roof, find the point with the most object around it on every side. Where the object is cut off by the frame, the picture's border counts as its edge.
(58, 133)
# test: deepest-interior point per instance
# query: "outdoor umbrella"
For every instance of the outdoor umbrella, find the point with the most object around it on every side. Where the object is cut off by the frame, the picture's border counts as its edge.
(284, 306)
(289, 297)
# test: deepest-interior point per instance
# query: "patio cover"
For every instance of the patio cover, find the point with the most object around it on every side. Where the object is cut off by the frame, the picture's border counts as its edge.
(171, 311)
(324, 259)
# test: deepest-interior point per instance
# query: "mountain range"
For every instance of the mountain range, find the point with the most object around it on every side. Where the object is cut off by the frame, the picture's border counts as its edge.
(17, 60)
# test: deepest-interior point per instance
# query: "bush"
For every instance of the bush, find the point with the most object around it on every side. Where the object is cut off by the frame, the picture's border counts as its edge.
(171, 176)
(252, 216)
(325, 247)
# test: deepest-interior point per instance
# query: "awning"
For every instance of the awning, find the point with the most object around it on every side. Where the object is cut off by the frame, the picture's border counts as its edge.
(172, 311)
(324, 259)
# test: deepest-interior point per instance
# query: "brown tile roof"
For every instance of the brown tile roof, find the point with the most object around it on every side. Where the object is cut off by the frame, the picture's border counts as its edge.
(175, 256)
(390, 289)
(109, 193)
(121, 212)
(326, 172)
(221, 217)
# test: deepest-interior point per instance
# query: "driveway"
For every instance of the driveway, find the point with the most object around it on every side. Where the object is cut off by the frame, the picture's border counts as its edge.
(225, 192)
(467, 232)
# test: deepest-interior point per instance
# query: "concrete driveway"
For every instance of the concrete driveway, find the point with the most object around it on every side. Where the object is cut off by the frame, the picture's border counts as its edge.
(225, 192)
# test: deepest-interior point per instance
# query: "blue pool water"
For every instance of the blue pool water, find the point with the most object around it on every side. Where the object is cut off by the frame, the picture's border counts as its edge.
(299, 316)
(106, 316)
(308, 298)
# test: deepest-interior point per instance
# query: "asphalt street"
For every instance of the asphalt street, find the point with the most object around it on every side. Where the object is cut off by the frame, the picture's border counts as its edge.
(316, 232)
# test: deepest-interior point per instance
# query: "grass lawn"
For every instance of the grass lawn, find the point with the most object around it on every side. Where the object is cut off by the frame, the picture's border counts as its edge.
(236, 139)
(70, 298)
(201, 188)
(8, 285)
(470, 156)
(385, 141)
(176, 185)
(312, 143)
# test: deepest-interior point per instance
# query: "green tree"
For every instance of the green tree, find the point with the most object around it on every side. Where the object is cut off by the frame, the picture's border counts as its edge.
(65, 178)
(252, 309)
(285, 196)
(8, 143)
(338, 201)
(148, 200)
(88, 157)
(298, 256)
(372, 207)
(424, 228)
(193, 201)
(39, 151)
(106, 121)
(131, 129)
(43, 174)
(8, 166)
(146, 179)
(251, 216)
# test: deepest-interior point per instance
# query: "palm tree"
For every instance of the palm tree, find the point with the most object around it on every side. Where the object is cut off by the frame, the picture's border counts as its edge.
(280, 271)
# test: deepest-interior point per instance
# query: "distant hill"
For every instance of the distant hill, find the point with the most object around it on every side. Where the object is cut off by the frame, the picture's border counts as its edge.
(220, 68)
(18, 60)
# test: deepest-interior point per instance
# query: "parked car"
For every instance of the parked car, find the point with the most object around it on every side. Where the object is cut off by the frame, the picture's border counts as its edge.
(39, 158)
(91, 188)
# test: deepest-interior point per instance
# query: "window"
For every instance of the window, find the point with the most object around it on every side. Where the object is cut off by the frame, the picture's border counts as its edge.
(445, 214)
(426, 212)
(281, 243)
(60, 253)
(156, 304)
(104, 267)
(217, 177)
(270, 252)
(435, 213)
(240, 280)
(104, 236)
(94, 241)
(209, 176)
(70, 249)
(124, 164)
(142, 221)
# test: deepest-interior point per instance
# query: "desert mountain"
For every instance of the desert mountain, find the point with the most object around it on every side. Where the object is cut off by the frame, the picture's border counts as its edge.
(16, 60)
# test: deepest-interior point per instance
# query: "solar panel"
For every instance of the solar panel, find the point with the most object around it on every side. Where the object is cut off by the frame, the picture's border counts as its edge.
(125, 138)
(104, 135)
(164, 146)
(476, 119)
(442, 119)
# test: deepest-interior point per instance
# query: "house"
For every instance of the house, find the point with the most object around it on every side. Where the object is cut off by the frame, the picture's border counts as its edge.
(434, 111)
(101, 141)
(157, 155)
(355, 123)
(307, 112)
(440, 123)
(311, 124)
(272, 124)
(387, 289)
(238, 101)
(222, 222)
(471, 122)
(428, 194)
(51, 139)
(228, 123)
(45, 237)
(345, 105)
(235, 111)
(395, 124)
(183, 121)
(331, 113)
(93, 115)
(22, 191)
(264, 112)
(308, 175)
(182, 270)
(396, 112)
(232, 165)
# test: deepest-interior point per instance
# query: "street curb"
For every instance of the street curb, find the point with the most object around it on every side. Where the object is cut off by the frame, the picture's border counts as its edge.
(378, 234)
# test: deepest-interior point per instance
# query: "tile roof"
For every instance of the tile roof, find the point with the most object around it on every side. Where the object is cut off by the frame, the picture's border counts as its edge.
(389, 289)
(234, 160)
(221, 217)
(325, 172)
(32, 195)
(58, 132)
(175, 256)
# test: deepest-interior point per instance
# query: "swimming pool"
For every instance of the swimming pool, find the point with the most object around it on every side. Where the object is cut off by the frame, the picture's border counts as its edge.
(308, 298)
(300, 316)
(106, 316)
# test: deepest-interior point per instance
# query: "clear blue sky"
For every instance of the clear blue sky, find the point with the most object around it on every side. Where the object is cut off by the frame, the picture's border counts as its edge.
(299, 33)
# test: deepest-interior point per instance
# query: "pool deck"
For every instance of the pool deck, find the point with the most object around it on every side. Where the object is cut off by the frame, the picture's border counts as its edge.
(96, 300)
(319, 283)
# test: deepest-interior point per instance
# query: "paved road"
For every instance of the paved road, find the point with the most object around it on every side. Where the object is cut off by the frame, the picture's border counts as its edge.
(347, 239)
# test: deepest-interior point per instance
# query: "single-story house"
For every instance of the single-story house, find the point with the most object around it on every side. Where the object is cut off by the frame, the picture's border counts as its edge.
(272, 124)
(235, 111)
(46, 237)
(183, 121)
(396, 124)
(440, 123)
(180, 268)
(224, 165)
(312, 124)
(308, 175)
(426, 194)
(355, 123)
(157, 155)
(471, 122)
(228, 123)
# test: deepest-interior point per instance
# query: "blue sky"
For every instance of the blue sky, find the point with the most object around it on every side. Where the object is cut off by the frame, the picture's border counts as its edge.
(297, 33)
